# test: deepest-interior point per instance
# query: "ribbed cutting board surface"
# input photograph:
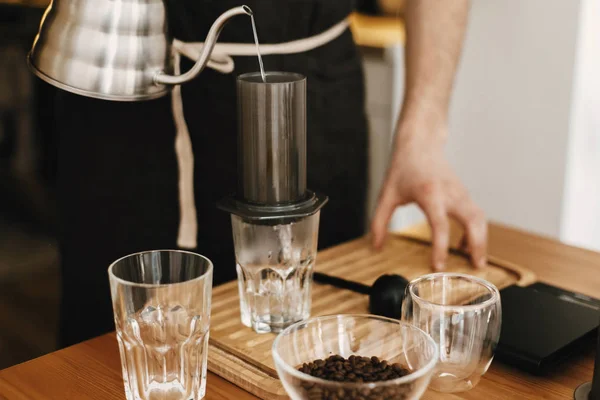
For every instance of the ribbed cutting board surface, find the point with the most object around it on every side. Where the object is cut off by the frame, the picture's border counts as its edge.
(244, 357)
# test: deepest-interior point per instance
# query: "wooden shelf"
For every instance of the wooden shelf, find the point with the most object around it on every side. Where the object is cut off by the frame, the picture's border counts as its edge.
(26, 3)
(377, 31)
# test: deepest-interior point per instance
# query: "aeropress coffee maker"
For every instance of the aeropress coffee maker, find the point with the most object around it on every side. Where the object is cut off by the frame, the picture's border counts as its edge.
(275, 218)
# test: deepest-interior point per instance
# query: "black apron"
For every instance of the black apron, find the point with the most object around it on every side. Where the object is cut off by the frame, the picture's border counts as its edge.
(117, 168)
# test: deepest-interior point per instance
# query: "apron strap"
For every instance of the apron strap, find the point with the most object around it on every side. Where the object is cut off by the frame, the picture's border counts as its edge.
(188, 224)
(220, 60)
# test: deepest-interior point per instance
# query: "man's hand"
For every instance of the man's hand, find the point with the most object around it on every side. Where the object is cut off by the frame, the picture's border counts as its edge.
(419, 173)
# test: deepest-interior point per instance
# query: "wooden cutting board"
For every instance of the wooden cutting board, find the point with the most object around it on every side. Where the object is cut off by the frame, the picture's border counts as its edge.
(243, 357)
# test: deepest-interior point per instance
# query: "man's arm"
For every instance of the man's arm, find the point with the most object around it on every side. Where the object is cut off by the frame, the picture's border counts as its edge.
(435, 31)
(419, 171)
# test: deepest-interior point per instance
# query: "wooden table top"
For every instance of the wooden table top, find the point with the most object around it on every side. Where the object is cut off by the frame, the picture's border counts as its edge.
(91, 370)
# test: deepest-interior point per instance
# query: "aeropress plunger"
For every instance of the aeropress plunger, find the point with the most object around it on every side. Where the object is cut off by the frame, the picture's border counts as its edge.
(272, 150)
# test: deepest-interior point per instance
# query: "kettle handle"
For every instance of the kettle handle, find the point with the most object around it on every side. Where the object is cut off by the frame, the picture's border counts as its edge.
(211, 39)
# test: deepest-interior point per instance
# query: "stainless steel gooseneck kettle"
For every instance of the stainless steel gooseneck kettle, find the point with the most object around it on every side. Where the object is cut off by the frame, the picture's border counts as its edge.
(113, 49)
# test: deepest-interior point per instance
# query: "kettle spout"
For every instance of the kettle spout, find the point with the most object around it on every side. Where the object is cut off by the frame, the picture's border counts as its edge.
(209, 44)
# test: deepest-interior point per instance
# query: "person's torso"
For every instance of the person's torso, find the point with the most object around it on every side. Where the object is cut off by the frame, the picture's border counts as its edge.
(335, 95)
(276, 20)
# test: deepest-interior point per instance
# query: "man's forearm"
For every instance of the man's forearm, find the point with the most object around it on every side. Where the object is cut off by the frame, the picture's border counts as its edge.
(435, 31)
(419, 172)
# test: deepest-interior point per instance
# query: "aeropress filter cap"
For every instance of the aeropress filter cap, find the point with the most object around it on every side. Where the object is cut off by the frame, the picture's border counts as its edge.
(272, 149)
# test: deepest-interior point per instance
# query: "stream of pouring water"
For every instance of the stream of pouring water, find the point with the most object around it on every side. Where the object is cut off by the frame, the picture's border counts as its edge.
(260, 62)
(285, 241)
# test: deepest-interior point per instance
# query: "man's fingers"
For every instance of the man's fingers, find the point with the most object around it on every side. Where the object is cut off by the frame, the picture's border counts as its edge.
(464, 244)
(433, 207)
(473, 220)
(386, 205)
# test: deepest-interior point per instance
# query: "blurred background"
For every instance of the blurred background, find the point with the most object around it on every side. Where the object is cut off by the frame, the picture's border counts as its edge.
(524, 137)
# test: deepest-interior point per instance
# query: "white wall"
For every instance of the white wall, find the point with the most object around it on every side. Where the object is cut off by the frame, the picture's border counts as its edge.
(511, 107)
(515, 111)
(581, 208)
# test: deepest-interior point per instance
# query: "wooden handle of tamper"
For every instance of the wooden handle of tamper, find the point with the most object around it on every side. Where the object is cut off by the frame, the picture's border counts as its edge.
(591, 390)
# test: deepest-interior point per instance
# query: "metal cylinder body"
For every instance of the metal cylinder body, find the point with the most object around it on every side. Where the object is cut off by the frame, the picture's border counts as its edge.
(104, 49)
(113, 50)
(272, 138)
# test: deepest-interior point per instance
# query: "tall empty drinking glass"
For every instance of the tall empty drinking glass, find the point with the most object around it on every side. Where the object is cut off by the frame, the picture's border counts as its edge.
(161, 302)
(463, 315)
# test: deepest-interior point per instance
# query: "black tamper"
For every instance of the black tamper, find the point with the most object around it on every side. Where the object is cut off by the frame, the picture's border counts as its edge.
(385, 295)
(591, 390)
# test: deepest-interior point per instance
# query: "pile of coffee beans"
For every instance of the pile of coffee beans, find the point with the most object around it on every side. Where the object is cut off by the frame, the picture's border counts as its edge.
(354, 370)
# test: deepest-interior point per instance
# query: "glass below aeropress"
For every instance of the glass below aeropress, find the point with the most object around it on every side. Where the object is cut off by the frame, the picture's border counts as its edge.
(275, 268)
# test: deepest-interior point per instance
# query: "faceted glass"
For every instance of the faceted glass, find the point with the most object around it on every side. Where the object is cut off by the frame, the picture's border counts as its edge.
(161, 302)
(275, 269)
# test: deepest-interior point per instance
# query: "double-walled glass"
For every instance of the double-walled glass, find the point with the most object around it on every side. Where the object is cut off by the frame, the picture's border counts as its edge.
(463, 315)
(275, 271)
(161, 302)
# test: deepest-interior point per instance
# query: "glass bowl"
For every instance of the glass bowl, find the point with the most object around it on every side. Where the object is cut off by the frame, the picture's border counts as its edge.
(402, 346)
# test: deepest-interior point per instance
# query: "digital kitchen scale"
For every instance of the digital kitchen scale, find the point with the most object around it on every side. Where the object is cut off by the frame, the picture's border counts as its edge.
(543, 325)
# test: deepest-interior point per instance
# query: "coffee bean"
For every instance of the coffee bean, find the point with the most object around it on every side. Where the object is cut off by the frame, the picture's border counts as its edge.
(355, 369)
